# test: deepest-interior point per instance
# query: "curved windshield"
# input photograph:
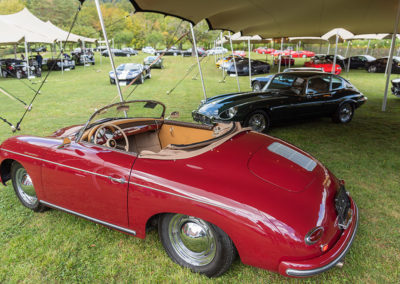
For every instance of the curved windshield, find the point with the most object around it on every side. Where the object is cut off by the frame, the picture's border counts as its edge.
(126, 67)
(125, 110)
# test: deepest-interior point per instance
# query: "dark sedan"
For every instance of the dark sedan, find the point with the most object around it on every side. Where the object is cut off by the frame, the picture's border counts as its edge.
(172, 51)
(116, 52)
(379, 65)
(189, 52)
(153, 62)
(287, 96)
(242, 65)
(359, 61)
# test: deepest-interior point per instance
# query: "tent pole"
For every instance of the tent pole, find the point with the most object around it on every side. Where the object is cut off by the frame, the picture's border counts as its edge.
(390, 61)
(347, 49)
(109, 51)
(62, 60)
(329, 48)
(215, 56)
(334, 58)
(248, 43)
(280, 56)
(390, 52)
(27, 58)
(234, 61)
(198, 61)
(369, 41)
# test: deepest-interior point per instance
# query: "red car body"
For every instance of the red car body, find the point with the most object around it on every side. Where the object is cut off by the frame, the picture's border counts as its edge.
(327, 67)
(302, 54)
(265, 50)
(266, 203)
(285, 60)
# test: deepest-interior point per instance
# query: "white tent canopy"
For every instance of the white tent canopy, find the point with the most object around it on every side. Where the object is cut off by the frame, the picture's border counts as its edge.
(72, 37)
(10, 34)
(340, 32)
(308, 39)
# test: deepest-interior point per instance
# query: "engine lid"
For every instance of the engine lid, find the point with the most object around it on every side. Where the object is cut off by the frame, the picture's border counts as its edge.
(284, 166)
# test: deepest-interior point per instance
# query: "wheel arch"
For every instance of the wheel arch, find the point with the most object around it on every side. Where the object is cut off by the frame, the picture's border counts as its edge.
(5, 170)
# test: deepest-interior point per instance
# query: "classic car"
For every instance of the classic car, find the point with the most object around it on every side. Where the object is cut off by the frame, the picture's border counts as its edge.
(129, 72)
(171, 51)
(116, 52)
(149, 50)
(396, 87)
(153, 62)
(83, 57)
(225, 62)
(130, 51)
(188, 52)
(359, 61)
(242, 66)
(324, 63)
(265, 50)
(219, 50)
(286, 96)
(214, 192)
(379, 65)
(302, 54)
(258, 83)
(341, 60)
(241, 53)
(18, 68)
(65, 63)
(285, 60)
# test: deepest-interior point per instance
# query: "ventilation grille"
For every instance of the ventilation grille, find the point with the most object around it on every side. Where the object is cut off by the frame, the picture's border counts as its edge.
(292, 155)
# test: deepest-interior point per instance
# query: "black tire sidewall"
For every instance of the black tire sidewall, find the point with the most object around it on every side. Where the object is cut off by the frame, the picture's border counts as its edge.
(266, 116)
(336, 116)
(224, 256)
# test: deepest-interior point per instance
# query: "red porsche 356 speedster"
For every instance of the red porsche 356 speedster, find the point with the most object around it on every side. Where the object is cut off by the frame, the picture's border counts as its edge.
(214, 192)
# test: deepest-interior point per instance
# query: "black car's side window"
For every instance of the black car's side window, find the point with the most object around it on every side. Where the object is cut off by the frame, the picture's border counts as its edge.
(282, 81)
(317, 85)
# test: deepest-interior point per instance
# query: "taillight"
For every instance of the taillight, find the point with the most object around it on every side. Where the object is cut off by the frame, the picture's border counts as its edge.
(314, 235)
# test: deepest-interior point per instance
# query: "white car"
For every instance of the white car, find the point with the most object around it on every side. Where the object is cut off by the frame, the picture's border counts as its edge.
(148, 49)
(130, 71)
(217, 50)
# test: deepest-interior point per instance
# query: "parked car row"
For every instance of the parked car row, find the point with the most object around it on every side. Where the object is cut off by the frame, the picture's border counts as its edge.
(17, 68)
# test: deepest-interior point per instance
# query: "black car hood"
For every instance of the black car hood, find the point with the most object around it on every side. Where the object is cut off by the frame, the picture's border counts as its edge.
(218, 104)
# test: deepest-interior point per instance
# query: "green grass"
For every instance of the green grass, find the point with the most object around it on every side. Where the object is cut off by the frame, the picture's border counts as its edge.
(57, 247)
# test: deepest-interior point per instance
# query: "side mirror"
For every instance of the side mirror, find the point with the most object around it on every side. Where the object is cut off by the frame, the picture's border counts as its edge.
(65, 142)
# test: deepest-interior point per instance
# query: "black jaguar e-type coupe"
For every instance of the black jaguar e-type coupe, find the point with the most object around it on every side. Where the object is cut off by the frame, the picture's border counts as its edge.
(287, 96)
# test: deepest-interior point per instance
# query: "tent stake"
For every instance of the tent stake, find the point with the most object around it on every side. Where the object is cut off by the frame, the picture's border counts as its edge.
(198, 61)
(390, 62)
(109, 51)
(234, 61)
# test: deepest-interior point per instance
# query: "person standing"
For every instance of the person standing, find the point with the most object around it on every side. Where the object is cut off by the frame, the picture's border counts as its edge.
(39, 60)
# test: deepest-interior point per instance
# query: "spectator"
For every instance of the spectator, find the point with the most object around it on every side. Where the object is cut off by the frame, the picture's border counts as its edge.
(39, 60)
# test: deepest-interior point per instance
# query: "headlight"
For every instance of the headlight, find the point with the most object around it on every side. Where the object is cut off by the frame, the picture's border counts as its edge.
(232, 112)
(314, 235)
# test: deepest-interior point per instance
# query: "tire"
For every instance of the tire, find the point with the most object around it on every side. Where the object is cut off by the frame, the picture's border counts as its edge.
(258, 120)
(149, 75)
(5, 74)
(24, 188)
(18, 74)
(196, 244)
(372, 69)
(112, 81)
(257, 86)
(344, 113)
(141, 79)
(39, 72)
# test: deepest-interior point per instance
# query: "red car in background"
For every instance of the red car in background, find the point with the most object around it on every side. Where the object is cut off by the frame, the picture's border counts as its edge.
(265, 50)
(303, 54)
(325, 65)
(285, 60)
(241, 53)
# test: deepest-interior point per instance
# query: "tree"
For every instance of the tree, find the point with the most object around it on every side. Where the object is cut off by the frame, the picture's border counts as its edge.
(11, 6)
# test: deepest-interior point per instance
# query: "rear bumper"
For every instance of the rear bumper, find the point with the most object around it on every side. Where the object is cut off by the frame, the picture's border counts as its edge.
(326, 261)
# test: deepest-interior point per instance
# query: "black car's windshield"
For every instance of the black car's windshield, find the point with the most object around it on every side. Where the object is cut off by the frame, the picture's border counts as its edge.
(283, 81)
(126, 67)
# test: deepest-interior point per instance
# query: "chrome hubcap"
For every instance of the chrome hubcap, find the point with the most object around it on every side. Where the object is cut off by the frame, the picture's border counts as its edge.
(257, 87)
(25, 186)
(192, 239)
(257, 122)
(345, 113)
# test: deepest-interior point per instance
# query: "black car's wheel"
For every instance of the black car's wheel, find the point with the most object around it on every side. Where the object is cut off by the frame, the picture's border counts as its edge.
(257, 86)
(196, 244)
(344, 113)
(258, 120)
(112, 81)
(372, 69)
(24, 188)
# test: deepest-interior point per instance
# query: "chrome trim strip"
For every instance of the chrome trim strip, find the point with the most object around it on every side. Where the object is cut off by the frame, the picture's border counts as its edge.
(89, 218)
(58, 164)
(310, 272)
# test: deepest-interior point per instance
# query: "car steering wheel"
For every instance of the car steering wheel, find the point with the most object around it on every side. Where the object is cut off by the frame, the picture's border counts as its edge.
(108, 134)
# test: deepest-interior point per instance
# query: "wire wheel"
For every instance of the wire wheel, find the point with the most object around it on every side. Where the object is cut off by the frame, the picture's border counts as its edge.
(256, 87)
(372, 69)
(258, 121)
(192, 239)
(345, 113)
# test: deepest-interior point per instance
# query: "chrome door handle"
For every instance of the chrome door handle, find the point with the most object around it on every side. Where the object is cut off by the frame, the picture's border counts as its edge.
(119, 180)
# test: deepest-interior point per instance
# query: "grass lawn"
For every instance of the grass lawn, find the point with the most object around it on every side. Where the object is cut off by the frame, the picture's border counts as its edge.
(57, 247)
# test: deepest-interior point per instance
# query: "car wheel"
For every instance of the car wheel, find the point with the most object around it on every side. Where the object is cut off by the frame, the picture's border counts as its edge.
(141, 79)
(194, 243)
(149, 75)
(256, 86)
(344, 113)
(5, 74)
(24, 188)
(372, 69)
(112, 81)
(39, 72)
(18, 74)
(259, 121)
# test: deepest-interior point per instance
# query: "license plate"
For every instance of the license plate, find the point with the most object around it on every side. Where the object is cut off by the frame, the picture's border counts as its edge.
(122, 83)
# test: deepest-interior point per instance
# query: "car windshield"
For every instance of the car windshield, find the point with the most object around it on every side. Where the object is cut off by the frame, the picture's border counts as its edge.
(126, 110)
(283, 81)
(129, 66)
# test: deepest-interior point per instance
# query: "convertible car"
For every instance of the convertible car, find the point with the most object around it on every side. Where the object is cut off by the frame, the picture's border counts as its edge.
(326, 64)
(214, 192)
(128, 72)
(286, 96)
